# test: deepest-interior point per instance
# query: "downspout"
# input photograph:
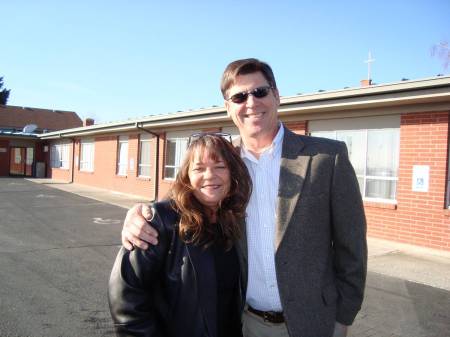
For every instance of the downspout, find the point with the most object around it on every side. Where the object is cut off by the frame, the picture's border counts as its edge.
(139, 126)
(73, 160)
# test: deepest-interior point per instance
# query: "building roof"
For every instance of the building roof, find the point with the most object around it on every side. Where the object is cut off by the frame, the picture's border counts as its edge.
(407, 95)
(16, 117)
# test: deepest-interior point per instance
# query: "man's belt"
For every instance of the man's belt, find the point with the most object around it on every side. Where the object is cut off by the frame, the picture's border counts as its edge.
(268, 316)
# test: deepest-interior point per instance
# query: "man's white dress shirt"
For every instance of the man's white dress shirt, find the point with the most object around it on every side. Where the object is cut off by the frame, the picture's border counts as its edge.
(262, 287)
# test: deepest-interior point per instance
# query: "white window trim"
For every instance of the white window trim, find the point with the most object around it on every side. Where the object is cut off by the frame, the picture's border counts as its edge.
(144, 138)
(89, 161)
(63, 156)
(178, 136)
(122, 167)
(364, 176)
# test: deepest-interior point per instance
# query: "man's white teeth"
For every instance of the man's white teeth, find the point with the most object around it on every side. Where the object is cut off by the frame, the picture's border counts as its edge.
(258, 114)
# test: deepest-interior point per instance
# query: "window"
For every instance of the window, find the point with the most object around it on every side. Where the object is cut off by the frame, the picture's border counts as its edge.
(59, 156)
(175, 149)
(122, 156)
(87, 156)
(176, 145)
(373, 152)
(144, 155)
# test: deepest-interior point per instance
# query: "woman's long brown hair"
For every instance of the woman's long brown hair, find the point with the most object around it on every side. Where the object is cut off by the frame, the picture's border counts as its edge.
(195, 226)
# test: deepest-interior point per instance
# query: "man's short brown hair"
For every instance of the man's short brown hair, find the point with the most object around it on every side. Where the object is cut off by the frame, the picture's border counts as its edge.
(245, 67)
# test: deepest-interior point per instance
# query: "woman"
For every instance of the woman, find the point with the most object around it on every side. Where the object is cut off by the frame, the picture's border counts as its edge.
(188, 285)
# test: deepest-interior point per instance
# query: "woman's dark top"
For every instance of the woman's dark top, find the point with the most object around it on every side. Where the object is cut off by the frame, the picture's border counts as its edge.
(227, 274)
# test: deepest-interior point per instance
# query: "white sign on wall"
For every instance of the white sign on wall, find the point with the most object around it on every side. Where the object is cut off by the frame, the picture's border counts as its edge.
(3, 150)
(421, 178)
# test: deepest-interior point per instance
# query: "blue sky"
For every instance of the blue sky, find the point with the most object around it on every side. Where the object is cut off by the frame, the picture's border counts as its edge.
(114, 60)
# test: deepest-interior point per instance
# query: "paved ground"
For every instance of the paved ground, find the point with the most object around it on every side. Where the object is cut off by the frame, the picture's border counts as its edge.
(57, 249)
(56, 252)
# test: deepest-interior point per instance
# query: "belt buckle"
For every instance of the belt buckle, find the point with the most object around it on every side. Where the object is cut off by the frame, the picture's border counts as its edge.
(267, 316)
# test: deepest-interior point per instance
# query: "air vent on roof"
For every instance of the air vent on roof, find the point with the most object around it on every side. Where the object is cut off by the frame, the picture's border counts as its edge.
(29, 128)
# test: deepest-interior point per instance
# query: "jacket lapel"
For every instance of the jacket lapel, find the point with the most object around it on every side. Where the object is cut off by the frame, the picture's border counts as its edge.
(205, 273)
(293, 170)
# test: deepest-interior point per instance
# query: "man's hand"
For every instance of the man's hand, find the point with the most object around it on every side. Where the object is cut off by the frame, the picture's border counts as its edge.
(136, 231)
(340, 330)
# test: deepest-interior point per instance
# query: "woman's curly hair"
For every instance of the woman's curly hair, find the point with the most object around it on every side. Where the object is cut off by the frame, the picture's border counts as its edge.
(195, 226)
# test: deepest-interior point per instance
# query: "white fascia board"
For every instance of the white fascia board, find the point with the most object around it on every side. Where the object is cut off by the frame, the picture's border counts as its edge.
(435, 89)
(442, 81)
(435, 95)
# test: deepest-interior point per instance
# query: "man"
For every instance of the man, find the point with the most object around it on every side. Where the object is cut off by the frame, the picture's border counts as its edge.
(304, 254)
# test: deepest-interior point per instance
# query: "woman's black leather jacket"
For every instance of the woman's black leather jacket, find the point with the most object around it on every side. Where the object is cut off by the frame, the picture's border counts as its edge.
(167, 290)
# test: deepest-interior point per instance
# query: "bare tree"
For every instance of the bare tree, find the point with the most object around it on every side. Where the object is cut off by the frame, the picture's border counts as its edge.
(442, 51)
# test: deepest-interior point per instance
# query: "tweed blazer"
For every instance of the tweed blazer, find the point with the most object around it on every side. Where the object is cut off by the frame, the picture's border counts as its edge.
(320, 241)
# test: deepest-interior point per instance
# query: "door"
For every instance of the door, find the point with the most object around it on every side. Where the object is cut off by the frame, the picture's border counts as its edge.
(21, 161)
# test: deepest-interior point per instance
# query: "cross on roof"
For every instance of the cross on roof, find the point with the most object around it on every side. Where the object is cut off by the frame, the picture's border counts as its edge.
(369, 61)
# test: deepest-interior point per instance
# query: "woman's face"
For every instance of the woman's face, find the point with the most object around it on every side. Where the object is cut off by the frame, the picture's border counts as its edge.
(209, 178)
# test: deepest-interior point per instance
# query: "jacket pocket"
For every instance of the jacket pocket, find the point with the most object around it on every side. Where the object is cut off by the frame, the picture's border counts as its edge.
(329, 294)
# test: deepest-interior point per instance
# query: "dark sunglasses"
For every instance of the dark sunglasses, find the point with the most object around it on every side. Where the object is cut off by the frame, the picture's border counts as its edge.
(241, 97)
(199, 135)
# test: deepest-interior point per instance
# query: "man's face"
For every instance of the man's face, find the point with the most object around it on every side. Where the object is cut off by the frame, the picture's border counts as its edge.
(256, 117)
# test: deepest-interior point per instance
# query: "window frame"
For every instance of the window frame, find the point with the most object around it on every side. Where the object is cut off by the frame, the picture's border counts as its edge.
(122, 167)
(144, 138)
(62, 153)
(364, 176)
(180, 138)
(87, 164)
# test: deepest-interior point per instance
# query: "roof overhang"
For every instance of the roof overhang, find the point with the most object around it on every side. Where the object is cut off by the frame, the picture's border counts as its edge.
(431, 94)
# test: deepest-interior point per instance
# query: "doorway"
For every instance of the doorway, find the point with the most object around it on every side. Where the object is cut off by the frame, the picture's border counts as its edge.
(21, 161)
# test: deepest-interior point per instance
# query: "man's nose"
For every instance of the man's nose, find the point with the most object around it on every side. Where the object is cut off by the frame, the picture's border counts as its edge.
(251, 101)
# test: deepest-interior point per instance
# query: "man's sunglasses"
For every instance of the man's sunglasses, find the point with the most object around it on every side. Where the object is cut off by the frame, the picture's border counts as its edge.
(241, 97)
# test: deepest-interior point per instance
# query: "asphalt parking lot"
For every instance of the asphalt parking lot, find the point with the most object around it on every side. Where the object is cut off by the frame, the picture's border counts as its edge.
(57, 249)
(56, 252)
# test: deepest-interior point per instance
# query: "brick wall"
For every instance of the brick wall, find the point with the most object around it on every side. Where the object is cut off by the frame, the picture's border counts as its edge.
(297, 127)
(105, 163)
(420, 217)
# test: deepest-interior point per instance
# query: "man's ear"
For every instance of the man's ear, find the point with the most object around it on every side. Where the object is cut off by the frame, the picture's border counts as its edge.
(227, 107)
(276, 94)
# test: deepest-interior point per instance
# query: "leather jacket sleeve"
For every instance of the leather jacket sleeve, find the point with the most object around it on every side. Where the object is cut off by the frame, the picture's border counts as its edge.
(131, 288)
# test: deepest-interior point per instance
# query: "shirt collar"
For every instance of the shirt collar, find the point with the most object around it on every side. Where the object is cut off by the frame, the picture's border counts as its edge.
(272, 150)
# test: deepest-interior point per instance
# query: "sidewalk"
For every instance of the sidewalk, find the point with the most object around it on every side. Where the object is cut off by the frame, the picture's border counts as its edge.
(412, 263)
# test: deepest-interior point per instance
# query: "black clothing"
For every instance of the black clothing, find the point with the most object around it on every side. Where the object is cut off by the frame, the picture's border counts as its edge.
(227, 272)
(171, 289)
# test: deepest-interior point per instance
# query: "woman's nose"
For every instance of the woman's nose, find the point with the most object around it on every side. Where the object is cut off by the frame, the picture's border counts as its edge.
(209, 172)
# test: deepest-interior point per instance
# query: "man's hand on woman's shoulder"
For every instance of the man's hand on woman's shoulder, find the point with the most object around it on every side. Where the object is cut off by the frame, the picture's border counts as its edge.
(137, 231)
